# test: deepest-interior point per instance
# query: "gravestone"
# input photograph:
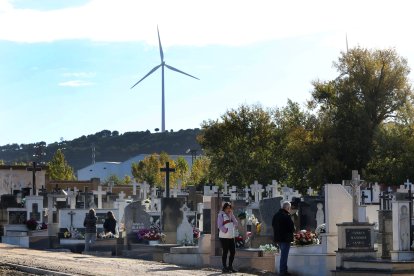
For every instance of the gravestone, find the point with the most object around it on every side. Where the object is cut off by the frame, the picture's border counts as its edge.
(207, 221)
(268, 208)
(17, 216)
(171, 217)
(135, 219)
(185, 229)
(310, 211)
(8, 201)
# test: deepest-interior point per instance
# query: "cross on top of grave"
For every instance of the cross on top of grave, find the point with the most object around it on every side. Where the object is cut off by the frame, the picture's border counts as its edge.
(385, 200)
(34, 169)
(355, 183)
(153, 192)
(167, 171)
(134, 188)
(407, 184)
(99, 193)
(310, 191)
(121, 195)
(225, 186)
(246, 190)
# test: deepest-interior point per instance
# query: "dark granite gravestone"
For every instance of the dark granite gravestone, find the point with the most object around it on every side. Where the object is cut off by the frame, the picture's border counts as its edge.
(17, 217)
(136, 218)
(8, 201)
(268, 208)
(171, 217)
(25, 192)
(307, 212)
(35, 214)
(192, 198)
(207, 221)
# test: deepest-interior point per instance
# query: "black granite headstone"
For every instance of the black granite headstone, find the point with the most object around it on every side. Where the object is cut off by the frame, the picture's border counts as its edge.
(307, 211)
(17, 217)
(171, 216)
(8, 201)
(136, 218)
(268, 208)
(207, 221)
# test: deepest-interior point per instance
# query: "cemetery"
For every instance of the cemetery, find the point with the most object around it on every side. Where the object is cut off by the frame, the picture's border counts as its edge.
(345, 228)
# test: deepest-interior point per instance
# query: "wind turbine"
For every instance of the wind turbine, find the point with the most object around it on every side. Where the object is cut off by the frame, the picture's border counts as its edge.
(162, 65)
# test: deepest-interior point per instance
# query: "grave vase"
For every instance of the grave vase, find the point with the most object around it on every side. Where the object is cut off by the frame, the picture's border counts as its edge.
(154, 242)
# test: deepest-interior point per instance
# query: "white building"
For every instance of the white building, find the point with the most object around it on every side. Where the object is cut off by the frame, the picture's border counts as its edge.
(103, 170)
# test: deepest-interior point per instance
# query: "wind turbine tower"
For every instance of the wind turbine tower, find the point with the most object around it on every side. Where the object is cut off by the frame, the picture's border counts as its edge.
(162, 65)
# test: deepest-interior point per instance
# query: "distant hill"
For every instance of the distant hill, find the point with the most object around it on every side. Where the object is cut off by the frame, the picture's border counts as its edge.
(109, 146)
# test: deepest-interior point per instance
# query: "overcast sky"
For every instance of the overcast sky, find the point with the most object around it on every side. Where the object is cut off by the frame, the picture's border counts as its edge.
(66, 67)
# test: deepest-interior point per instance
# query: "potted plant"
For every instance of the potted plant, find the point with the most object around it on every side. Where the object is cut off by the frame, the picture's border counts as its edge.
(268, 249)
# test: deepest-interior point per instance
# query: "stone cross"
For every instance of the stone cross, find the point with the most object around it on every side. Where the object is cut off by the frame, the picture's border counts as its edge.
(134, 188)
(145, 189)
(376, 190)
(225, 185)
(34, 169)
(246, 190)
(153, 192)
(72, 198)
(356, 182)
(175, 192)
(310, 191)
(121, 195)
(167, 171)
(99, 193)
(233, 193)
(257, 190)
(71, 214)
(407, 184)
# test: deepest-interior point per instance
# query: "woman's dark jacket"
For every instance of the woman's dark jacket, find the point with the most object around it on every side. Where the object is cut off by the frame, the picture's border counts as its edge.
(90, 223)
(109, 225)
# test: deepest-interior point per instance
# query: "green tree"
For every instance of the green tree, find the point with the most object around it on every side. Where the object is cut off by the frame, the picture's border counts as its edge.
(148, 170)
(371, 88)
(59, 168)
(200, 172)
(114, 179)
(182, 170)
(240, 145)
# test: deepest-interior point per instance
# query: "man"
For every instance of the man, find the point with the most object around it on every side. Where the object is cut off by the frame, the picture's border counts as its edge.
(283, 229)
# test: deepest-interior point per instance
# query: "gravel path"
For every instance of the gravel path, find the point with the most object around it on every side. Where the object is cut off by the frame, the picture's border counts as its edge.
(79, 264)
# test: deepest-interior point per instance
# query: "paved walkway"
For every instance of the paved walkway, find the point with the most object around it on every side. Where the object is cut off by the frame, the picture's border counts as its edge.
(78, 264)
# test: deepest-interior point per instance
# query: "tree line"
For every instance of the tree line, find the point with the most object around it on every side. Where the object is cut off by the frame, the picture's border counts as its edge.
(362, 120)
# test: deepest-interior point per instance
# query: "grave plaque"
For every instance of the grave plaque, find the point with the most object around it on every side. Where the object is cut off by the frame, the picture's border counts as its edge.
(268, 208)
(17, 217)
(135, 218)
(358, 238)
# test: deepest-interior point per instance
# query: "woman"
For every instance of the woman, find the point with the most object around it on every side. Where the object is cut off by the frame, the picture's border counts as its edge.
(90, 228)
(227, 223)
(110, 223)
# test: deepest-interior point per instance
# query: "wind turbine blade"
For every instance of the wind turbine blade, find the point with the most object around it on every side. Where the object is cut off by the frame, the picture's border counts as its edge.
(159, 43)
(176, 70)
(149, 73)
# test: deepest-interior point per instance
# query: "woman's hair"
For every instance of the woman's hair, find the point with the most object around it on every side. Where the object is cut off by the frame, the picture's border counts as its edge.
(110, 215)
(92, 212)
(225, 205)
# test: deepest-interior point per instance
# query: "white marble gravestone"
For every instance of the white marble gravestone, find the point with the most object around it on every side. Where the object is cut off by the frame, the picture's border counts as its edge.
(185, 229)
(401, 232)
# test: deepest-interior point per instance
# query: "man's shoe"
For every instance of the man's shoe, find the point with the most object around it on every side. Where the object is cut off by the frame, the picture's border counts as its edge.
(225, 270)
(231, 269)
(286, 274)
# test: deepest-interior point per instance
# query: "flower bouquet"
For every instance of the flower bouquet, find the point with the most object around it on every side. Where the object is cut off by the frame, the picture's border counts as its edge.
(304, 237)
(151, 234)
(31, 224)
(196, 233)
(268, 248)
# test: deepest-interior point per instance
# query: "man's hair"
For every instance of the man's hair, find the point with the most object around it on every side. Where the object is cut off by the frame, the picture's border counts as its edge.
(286, 204)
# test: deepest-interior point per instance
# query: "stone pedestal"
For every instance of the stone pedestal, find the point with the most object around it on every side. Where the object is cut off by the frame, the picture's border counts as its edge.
(355, 241)
(385, 233)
